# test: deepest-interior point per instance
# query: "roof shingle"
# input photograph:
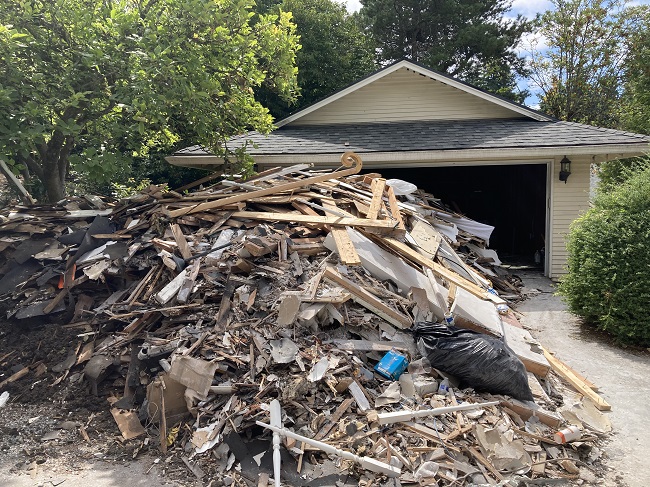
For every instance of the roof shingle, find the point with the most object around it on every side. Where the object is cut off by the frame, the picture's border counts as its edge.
(426, 136)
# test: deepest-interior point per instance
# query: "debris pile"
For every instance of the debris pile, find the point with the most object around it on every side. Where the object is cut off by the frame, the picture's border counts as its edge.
(263, 329)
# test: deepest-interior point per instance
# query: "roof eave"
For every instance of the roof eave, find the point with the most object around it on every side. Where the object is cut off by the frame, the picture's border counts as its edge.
(383, 159)
(203, 161)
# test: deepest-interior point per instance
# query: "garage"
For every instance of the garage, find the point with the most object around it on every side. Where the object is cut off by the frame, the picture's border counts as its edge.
(510, 197)
(493, 160)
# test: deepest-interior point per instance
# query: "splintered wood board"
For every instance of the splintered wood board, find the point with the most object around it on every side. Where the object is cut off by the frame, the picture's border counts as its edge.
(367, 300)
(388, 225)
(583, 388)
(528, 409)
(347, 252)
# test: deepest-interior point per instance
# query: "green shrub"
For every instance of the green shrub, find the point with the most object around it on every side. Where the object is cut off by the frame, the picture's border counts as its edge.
(608, 283)
(612, 174)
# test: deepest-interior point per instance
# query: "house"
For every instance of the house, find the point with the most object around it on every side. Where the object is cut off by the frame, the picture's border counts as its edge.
(496, 161)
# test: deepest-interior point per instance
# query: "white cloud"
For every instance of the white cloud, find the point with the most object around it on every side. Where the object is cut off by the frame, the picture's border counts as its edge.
(530, 8)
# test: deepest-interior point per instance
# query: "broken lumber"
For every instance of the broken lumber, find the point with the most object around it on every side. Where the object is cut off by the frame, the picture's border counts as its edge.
(583, 388)
(349, 160)
(367, 300)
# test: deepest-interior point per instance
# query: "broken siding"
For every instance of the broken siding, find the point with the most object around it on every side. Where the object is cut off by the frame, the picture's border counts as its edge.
(570, 200)
(405, 95)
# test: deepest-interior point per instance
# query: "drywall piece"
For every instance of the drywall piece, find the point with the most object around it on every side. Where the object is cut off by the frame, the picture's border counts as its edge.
(288, 310)
(476, 314)
(501, 452)
(487, 253)
(582, 411)
(359, 396)
(529, 350)
(391, 395)
(481, 230)
(386, 266)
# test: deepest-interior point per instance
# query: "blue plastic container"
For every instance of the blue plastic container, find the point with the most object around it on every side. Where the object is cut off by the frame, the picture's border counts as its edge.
(392, 365)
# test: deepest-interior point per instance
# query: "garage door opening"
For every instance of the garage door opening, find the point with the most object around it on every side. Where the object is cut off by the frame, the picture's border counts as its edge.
(511, 198)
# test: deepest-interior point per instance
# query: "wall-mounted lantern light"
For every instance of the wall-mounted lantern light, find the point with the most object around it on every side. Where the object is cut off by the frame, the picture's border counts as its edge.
(565, 169)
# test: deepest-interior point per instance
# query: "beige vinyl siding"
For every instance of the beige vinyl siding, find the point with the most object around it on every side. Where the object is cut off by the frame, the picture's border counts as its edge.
(570, 200)
(405, 95)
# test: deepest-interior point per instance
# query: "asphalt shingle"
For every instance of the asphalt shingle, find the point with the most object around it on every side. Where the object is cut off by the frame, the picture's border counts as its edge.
(426, 136)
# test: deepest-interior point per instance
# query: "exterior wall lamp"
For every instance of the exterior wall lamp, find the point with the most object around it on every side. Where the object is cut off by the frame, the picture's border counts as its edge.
(565, 169)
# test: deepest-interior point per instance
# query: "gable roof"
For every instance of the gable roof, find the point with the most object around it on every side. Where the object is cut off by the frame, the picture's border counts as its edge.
(434, 75)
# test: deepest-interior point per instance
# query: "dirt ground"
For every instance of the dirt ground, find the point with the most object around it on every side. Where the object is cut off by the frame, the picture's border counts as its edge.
(36, 451)
(622, 374)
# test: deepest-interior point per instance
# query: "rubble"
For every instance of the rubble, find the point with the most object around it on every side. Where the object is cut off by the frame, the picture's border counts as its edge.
(267, 304)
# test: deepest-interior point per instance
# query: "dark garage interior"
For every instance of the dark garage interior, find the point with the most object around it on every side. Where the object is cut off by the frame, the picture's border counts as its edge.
(512, 198)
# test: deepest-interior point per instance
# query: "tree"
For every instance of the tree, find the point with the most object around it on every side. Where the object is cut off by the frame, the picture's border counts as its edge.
(635, 111)
(580, 73)
(91, 84)
(334, 53)
(471, 40)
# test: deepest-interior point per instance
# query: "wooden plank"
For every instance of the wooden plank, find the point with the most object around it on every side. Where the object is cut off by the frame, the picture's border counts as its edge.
(387, 225)
(393, 204)
(529, 409)
(351, 160)
(566, 373)
(13, 378)
(439, 270)
(367, 300)
(485, 462)
(378, 185)
(169, 291)
(367, 345)
(334, 419)
(347, 253)
(16, 182)
(180, 240)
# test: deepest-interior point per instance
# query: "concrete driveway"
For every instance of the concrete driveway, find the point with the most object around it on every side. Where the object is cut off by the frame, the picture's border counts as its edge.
(622, 375)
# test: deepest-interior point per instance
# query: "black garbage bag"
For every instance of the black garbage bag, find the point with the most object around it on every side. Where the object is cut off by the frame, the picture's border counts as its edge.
(479, 361)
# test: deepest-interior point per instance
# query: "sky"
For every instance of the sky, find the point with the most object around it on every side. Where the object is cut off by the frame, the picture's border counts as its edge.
(527, 8)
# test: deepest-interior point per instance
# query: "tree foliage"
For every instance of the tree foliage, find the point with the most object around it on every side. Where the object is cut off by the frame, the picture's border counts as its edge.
(581, 72)
(334, 53)
(635, 110)
(88, 85)
(609, 261)
(471, 40)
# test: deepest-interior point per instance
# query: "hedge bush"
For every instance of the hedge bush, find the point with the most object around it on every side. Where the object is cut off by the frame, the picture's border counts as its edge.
(608, 283)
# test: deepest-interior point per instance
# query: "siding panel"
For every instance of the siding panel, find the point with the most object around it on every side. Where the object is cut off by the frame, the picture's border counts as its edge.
(570, 200)
(405, 95)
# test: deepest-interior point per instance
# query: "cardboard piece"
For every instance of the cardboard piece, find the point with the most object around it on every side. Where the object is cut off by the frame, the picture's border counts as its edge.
(174, 394)
(128, 423)
(193, 373)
